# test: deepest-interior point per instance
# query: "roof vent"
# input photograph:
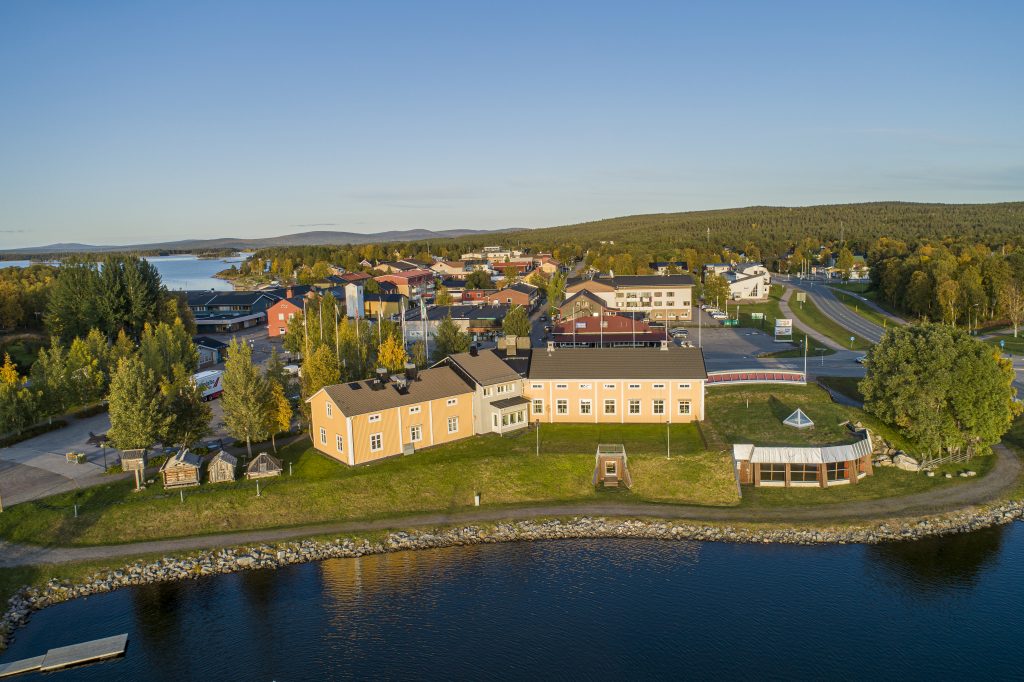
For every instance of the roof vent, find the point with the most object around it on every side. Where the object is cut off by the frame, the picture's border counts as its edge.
(664, 344)
(382, 375)
(551, 347)
(410, 371)
(473, 350)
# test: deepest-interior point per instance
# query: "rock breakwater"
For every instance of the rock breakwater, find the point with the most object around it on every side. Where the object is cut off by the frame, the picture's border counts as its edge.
(213, 562)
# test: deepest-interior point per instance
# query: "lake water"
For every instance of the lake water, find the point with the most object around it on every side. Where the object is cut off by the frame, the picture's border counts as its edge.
(178, 272)
(942, 609)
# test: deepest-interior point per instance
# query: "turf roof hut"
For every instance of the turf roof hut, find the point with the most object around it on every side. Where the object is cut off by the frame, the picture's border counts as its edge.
(263, 466)
(221, 468)
(182, 469)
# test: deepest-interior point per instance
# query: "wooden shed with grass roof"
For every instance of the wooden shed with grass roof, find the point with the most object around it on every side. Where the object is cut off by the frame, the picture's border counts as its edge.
(263, 466)
(221, 468)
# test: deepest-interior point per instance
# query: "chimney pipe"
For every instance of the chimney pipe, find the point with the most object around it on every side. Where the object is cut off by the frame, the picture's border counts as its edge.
(410, 371)
(473, 351)
(382, 375)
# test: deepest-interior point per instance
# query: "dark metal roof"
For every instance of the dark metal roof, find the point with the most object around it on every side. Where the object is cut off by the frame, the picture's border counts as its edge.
(484, 368)
(506, 403)
(362, 397)
(618, 363)
(651, 280)
(461, 312)
(207, 342)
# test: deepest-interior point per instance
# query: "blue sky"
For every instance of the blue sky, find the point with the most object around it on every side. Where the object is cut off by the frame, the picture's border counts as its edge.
(139, 121)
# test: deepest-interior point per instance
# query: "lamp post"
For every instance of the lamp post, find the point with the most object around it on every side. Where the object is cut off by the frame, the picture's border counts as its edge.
(668, 440)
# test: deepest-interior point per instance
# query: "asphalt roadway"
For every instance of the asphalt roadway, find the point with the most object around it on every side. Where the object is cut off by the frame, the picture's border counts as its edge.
(823, 297)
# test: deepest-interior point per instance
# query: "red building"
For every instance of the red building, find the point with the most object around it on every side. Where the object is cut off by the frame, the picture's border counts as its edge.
(279, 314)
(607, 331)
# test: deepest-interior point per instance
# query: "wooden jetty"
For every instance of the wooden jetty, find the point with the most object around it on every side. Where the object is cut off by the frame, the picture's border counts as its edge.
(67, 656)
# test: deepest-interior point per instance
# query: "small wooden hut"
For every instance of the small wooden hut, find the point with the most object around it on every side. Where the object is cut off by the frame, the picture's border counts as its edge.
(134, 460)
(221, 468)
(263, 466)
(610, 468)
(182, 469)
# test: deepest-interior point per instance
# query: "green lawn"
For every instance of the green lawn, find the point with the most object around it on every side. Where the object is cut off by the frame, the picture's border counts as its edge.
(754, 414)
(506, 471)
(1011, 345)
(884, 482)
(856, 287)
(23, 349)
(771, 311)
(862, 309)
(809, 314)
(848, 386)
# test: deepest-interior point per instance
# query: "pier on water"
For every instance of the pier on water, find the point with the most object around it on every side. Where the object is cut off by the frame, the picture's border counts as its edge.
(68, 656)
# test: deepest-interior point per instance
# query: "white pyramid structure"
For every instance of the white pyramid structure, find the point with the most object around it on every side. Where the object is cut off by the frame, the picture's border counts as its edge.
(798, 420)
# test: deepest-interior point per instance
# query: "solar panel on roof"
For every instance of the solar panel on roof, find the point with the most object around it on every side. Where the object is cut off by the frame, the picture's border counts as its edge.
(355, 385)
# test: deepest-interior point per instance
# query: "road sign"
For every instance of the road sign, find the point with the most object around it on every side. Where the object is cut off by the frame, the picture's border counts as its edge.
(852, 339)
(730, 323)
(783, 329)
(801, 297)
(757, 316)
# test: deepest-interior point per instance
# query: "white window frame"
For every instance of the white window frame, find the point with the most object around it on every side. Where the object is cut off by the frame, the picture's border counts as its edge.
(657, 406)
(611, 386)
(452, 401)
(537, 402)
(612, 403)
(415, 409)
(684, 407)
(330, 412)
(374, 418)
(634, 387)
(339, 443)
(658, 386)
(415, 433)
(562, 406)
(585, 387)
(561, 387)
(634, 403)
(323, 436)
(586, 406)
(684, 386)
(379, 437)
(536, 386)
(453, 422)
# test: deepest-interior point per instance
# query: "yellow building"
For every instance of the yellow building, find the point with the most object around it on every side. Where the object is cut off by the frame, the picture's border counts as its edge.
(616, 385)
(363, 421)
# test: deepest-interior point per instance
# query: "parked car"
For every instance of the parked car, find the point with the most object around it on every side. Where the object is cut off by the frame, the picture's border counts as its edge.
(862, 360)
(680, 333)
(293, 370)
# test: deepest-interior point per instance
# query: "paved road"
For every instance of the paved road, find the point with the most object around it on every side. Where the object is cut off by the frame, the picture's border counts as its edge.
(832, 307)
(1003, 476)
(738, 347)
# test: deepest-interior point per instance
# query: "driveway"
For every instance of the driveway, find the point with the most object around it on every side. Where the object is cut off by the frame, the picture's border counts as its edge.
(737, 348)
(38, 467)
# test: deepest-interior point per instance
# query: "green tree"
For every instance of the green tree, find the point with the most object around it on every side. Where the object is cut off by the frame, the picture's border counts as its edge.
(51, 376)
(1011, 302)
(137, 418)
(479, 279)
(511, 276)
(18, 404)
(418, 354)
(556, 290)
(163, 346)
(844, 263)
(279, 412)
(186, 415)
(449, 339)
(319, 369)
(245, 400)
(948, 392)
(716, 289)
(442, 296)
(516, 322)
(87, 381)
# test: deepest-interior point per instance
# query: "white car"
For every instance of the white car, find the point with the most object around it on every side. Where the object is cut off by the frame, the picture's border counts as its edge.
(292, 370)
(862, 360)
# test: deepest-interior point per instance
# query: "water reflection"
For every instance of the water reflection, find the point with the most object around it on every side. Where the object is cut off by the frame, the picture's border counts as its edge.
(937, 564)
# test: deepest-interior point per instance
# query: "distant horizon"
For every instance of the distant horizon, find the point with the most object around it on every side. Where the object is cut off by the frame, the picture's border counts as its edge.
(140, 123)
(482, 230)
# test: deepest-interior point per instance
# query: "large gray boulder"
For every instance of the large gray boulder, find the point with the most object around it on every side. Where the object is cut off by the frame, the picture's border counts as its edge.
(905, 462)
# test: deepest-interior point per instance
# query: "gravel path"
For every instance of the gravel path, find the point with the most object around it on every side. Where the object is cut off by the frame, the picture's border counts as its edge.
(1003, 476)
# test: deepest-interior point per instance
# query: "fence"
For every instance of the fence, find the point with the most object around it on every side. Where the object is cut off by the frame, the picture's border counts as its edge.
(755, 376)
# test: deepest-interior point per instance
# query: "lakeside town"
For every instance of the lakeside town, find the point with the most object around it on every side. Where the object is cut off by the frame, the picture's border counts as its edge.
(457, 342)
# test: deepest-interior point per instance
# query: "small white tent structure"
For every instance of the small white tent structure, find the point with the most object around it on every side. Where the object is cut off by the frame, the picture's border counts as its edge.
(798, 420)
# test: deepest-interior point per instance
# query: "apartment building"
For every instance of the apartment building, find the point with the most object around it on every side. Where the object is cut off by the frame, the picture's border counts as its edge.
(363, 421)
(616, 385)
(480, 392)
(413, 284)
(660, 297)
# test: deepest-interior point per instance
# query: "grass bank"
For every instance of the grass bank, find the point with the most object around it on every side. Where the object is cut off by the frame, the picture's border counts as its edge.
(1010, 344)
(506, 471)
(769, 311)
(810, 315)
(858, 307)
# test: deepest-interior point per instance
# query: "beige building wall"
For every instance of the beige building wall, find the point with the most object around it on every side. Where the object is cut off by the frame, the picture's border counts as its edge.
(577, 393)
(394, 425)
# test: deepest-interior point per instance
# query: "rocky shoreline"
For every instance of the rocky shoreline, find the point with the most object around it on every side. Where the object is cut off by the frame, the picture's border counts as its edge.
(230, 560)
